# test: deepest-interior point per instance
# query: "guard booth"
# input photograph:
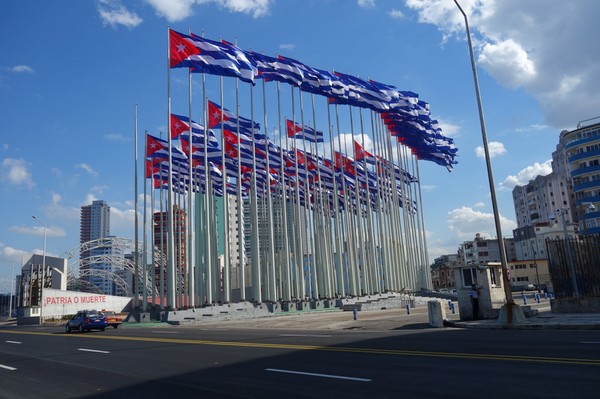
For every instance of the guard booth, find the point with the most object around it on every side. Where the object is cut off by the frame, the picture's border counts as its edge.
(488, 278)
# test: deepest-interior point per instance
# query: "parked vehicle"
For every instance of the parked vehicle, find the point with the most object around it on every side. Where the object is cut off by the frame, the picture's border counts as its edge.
(113, 319)
(87, 320)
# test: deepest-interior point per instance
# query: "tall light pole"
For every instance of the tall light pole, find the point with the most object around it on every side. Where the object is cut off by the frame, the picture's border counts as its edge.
(501, 246)
(43, 266)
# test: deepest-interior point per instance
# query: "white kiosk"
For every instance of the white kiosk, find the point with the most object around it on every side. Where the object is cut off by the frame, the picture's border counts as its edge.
(487, 276)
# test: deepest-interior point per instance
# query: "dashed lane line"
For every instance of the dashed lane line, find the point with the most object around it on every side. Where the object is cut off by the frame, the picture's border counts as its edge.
(342, 349)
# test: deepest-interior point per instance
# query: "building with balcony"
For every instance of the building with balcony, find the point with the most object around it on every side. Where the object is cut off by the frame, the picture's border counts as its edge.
(582, 147)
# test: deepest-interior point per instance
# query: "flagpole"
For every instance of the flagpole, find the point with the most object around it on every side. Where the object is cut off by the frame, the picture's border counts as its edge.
(240, 206)
(256, 244)
(272, 281)
(170, 238)
(145, 238)
(152, 238)
(285, 250)
(226, 246)
(426, 274)
(190, 247)
(136, 249)
(337, 231)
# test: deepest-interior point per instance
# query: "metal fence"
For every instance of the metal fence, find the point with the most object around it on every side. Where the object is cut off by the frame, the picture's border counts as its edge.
(578, 258)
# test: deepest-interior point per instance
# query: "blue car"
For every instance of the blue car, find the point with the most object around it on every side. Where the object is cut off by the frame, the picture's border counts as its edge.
(87, 320)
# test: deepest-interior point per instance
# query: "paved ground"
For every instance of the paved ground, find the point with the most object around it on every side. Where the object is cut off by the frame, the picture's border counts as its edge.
(395, 319)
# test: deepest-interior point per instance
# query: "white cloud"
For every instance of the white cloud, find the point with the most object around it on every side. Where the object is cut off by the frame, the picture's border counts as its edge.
(396, 14)
(37, 230)
(22, 69)
(479, 205)
(547, 47)
(122, 222)
(178, 10)
(448, 129)
(88, 169)
(530, 128)
(113, 13)
(525, 175)
(366, 3)
(494, 148)
(99, 189)
(287, 46)
(508, 63)
(347, 143)
(116, 137)
(173, 10)
(465, 222)
(16, 172)
(58, 211)
(11, 253)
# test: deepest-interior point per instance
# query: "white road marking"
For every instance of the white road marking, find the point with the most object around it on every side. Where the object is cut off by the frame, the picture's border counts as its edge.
(165, 332)
(13, 342)
(2, 366)
(92, 350)
(304, 335)
(339, 377)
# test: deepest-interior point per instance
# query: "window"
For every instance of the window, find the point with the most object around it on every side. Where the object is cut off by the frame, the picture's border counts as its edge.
(493, 276)
(469, 276)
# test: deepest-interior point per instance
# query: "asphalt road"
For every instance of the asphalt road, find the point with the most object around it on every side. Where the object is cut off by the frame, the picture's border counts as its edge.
(220, 362)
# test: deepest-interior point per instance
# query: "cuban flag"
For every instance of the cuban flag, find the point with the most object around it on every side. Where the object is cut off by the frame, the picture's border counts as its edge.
(307, 133)
(209, 56)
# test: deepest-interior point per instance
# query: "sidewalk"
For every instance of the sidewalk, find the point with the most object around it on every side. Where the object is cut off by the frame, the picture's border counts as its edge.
(399, 319)
(545, 320)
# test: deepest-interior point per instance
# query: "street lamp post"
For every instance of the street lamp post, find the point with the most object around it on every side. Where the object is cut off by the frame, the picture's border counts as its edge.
(505, 279)
(43, 265)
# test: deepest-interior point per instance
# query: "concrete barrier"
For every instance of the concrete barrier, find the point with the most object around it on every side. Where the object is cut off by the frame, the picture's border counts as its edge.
(437, 314)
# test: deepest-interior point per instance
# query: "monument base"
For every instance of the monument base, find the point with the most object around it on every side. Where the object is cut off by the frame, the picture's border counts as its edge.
(511, 313)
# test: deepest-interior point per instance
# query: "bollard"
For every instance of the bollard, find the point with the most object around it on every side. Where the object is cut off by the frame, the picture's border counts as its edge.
(407, 308)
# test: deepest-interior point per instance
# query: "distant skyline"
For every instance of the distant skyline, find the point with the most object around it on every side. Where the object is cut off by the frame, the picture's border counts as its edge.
(72, 72)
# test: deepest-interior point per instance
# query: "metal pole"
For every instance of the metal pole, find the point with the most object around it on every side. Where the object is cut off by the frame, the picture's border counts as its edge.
(501, 247)
(569, 255)
(43, 267)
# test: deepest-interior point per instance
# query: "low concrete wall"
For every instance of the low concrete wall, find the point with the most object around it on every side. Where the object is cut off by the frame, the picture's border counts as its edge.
(575, 305)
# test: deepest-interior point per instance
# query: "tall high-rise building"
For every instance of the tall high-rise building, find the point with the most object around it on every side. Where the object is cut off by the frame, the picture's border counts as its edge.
(95, 221)
(160, 233)
(95, 264)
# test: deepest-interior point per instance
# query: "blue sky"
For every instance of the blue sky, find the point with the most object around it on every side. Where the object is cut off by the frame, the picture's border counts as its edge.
(71, 73)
